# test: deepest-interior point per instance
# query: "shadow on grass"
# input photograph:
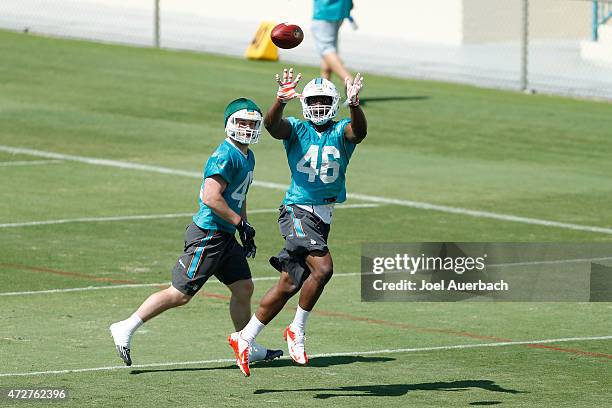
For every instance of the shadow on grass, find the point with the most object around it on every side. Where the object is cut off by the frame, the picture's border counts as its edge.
(397, 390)
(313, 362)
(375, 99)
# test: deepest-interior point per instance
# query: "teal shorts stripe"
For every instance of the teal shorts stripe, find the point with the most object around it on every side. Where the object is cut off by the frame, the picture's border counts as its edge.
(297, 224)
(197, 256)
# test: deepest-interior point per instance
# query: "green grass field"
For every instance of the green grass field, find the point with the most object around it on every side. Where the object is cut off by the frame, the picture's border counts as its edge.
(540, 157)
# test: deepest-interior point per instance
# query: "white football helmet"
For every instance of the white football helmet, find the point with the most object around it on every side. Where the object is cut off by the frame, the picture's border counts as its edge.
(320, 114)
(244, 134)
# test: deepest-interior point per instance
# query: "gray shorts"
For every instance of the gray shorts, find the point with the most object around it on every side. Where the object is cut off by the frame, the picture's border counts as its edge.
(304, 233)
(208, 253)
(325, 34)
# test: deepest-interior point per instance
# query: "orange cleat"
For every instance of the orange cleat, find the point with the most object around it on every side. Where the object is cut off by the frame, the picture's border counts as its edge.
(295, 344)
(241, 350)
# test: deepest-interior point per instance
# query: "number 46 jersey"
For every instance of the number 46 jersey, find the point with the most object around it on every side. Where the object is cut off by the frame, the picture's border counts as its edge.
(318, 163)
(237, 170)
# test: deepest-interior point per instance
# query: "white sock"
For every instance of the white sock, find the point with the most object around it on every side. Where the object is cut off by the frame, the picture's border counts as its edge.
(132, 323)
(122, 331)
(299, 321)
(252, 329)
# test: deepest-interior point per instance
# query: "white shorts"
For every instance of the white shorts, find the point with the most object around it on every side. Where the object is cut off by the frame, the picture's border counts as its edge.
(325, 34)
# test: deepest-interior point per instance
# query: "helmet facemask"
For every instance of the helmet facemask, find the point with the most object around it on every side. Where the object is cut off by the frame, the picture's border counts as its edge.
(320, 101)
(244, 126)
(317, 112)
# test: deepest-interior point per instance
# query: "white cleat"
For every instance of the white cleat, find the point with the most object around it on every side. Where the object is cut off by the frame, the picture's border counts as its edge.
(122, 340)
(295, 344)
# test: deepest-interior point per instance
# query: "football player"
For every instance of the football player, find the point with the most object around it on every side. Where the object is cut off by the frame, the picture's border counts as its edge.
(318, 152)
(210, 246)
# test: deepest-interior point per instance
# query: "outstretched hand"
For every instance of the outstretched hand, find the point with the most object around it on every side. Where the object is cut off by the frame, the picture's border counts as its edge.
(286, 86)
(352, 89)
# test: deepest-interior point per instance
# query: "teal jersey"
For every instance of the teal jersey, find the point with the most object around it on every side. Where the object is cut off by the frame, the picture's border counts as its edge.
(237, 170)
(318, 163)
(332, 10)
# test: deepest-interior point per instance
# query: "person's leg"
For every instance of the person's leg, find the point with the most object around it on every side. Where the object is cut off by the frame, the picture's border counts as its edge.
(326, 70)
(237, 277)
(161, 301)
(240, 311)
(240, 302)
(235, 273)
(275, 299)
(155, 304)
(271, 304)
(312, 236)
(325, 34)
(188, 276)
(321, 269)
(332, 59)
(291, 268)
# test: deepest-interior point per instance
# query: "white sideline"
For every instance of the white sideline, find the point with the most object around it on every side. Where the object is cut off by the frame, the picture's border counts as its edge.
(341, 354)
(277, 186)
(153, 216)
(138, 285)
(28, 162)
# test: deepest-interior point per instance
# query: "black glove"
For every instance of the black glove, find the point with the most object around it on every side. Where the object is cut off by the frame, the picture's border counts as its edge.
(246, 231)
(247, 237)
(250, 249)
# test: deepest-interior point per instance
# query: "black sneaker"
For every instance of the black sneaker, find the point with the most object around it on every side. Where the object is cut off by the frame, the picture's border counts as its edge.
(270, 354)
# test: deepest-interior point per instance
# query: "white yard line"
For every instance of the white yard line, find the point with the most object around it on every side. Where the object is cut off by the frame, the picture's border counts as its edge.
(28, 162)
(152, 216)
(88, 288)
(514, 264)
(480, 214)
(555, 262)
(95, 219)
(340, 354)
(277, 186)
(139, 285)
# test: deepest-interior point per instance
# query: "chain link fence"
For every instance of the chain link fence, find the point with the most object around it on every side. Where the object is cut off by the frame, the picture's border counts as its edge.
(551, 46)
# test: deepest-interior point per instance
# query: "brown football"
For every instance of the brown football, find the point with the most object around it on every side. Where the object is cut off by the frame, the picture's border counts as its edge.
(287, 35)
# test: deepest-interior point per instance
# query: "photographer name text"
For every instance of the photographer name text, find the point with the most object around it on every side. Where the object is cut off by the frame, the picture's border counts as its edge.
(442, 285)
